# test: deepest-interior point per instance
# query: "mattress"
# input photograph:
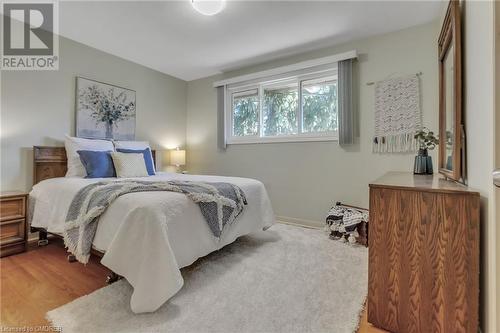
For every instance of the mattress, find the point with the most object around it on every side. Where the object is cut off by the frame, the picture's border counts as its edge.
(148, 236)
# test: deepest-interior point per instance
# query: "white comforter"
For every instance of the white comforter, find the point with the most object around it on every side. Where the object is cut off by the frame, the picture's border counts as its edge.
(148, 236)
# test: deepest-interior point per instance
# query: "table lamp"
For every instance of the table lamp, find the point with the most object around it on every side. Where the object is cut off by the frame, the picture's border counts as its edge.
(178, 157)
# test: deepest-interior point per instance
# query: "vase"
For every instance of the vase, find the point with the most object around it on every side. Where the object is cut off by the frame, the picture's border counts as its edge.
(423, 163)
(109, 130)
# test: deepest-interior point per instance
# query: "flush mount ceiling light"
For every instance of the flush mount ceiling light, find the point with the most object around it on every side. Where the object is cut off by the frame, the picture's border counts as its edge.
(208, 7)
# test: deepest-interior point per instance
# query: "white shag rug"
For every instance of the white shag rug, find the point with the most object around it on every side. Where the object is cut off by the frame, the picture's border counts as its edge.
(285, 279)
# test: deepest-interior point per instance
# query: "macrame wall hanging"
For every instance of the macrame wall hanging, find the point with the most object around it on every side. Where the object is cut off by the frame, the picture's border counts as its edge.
(397, 115)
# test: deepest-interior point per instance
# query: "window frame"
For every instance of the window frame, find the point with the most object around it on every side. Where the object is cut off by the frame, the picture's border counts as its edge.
(260, 85)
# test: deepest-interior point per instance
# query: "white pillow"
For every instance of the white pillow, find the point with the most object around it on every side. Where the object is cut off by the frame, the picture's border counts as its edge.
(136, 145)
(72, 144)
(129, 165)
(131, 145)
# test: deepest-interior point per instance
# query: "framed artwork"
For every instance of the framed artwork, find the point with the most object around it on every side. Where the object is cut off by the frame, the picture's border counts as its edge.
(104, 111)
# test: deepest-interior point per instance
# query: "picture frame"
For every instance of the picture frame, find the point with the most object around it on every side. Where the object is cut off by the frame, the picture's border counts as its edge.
(104, 111)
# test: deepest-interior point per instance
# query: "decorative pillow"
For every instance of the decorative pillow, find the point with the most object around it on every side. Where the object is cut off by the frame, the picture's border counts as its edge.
(131, 144)
(72, 144)
(98, 164)
(147, 158)
(136, 145)
(129, 165)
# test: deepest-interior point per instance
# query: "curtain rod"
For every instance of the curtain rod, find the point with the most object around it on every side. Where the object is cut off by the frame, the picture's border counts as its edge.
(372, 83)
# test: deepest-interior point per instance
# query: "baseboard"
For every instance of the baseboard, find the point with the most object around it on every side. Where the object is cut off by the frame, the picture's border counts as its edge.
(300, 222)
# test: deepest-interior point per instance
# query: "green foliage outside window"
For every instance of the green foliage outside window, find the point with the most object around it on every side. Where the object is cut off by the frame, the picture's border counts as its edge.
(280, 112)
(246, 115)
(320, 108)
(280, 106)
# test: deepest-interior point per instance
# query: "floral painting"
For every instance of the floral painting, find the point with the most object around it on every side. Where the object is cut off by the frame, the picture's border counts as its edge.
(104, 111)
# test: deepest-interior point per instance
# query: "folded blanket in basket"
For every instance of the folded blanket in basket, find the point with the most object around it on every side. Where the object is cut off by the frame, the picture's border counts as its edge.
(346, 219)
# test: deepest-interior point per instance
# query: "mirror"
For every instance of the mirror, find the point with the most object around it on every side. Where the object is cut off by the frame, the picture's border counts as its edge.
(449, 118)
(450, 96)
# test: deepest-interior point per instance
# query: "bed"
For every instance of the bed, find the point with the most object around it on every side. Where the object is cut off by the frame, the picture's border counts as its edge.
(145, 237)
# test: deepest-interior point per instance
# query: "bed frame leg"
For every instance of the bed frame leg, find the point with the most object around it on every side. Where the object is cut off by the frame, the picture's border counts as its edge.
(112, 277)
(42, 238)
(71, 258)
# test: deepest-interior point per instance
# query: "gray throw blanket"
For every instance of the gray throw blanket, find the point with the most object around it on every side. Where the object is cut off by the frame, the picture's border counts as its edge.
(220, 204)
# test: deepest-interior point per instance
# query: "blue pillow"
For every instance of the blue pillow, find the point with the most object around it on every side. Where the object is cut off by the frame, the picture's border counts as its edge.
(98, 164)
(148, 158)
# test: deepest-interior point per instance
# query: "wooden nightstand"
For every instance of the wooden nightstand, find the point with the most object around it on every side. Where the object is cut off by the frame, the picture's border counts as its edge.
(13, 230)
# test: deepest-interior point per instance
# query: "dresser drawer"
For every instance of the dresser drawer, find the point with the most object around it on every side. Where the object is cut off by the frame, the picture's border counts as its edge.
(11, 231)
(12, 208)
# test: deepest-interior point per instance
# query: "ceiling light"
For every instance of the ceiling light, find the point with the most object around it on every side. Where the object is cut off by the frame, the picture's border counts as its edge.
(208, 7)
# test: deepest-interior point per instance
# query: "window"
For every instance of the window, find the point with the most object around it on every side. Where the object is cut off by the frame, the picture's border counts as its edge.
(295, 108)
(319, 105)
(279, 109)
(245, 108)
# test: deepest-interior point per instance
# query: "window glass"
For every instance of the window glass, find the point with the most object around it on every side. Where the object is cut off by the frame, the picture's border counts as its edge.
(279, 109)
(295, 108)
(319, 105)
(245, 107)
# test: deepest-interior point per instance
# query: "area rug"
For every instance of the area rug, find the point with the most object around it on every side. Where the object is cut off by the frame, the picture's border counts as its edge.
(285, 279)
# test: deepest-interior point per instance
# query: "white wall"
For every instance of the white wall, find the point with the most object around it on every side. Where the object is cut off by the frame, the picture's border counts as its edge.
(38, 107)
(478, 41)
(305, 179)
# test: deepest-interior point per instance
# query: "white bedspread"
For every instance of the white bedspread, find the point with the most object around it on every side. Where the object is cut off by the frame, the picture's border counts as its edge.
(148, 236)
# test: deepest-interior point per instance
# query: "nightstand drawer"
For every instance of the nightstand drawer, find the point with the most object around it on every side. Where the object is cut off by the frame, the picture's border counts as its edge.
(12, 208)
(11, 231)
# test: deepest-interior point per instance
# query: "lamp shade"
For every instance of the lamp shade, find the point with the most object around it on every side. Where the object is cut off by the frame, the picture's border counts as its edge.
(178, 157)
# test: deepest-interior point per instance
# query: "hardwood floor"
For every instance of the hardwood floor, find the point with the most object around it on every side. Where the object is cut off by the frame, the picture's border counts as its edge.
(42, 279)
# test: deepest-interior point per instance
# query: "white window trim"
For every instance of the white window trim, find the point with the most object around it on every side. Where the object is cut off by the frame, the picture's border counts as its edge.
(327, 136)
(287, 69)
(299, 137)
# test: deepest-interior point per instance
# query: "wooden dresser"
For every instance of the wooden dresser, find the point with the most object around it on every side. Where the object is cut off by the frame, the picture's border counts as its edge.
(423, 255)
(13, 231)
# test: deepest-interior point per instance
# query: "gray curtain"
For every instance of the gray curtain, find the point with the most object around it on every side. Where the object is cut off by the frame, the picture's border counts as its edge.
(221, 130)
(345, 102)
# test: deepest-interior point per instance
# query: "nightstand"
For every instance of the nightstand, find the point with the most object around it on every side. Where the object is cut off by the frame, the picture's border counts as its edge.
(13, 230)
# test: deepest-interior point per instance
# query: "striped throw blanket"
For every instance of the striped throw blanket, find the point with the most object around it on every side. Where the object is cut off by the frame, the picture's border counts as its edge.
(220, 204)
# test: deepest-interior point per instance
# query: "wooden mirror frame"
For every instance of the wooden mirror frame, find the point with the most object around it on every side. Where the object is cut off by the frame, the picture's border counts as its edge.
(450, 36)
